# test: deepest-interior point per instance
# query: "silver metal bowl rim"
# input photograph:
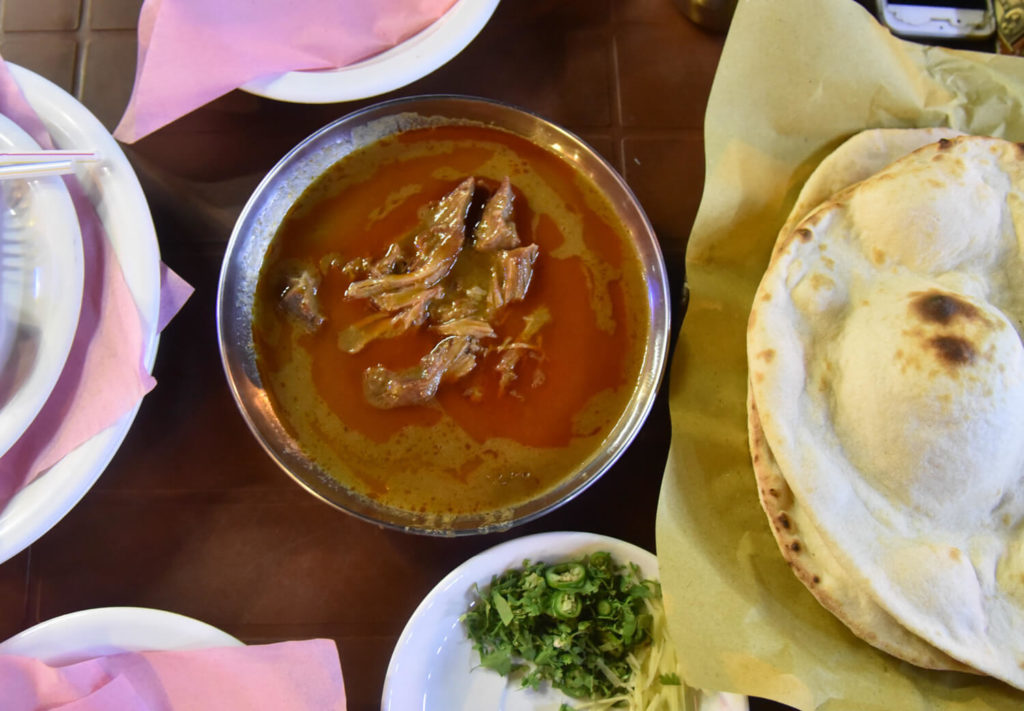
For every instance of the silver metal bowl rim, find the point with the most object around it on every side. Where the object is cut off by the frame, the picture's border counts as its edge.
(654, 359)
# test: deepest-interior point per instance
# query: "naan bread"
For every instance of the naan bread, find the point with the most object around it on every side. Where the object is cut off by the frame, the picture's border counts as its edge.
(856, 159)
(813, 564)
(887, 375)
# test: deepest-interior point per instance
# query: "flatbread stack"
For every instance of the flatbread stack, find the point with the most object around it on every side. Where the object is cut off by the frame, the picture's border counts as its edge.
(886, 395)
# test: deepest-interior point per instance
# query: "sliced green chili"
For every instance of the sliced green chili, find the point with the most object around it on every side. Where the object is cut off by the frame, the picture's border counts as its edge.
(565, 605)
(566, 576)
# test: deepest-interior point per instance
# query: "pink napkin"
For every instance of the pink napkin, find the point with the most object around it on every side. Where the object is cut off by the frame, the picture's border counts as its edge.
(192, 51)
(104, 376)
(288, 676)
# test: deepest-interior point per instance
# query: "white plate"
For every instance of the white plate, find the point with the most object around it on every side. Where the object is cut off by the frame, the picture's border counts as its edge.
(117, 195)
(402, 64)
(40, 289)
(110, 630)
(434, 667)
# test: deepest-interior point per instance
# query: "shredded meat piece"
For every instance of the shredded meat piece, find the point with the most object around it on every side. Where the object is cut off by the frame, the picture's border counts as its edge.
(496, 229)
(408, 309)
(511, 275)
(472, 327)
(507, 364)
(436, 249)
(386, 389)
(402, 287)
(511, 353)
(413, 298)
(431, 280)
(393, 262)
(461, 303)
(462, 365)
(362, 267)
(299, 300)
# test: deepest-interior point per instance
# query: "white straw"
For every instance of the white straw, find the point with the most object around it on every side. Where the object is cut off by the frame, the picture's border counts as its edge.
(15, 158)
(36, 170)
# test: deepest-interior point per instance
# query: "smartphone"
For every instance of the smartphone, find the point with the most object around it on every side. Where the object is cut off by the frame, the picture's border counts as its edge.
(967, 19)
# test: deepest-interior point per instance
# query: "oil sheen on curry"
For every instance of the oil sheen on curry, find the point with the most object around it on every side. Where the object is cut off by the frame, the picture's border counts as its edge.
(450, 320)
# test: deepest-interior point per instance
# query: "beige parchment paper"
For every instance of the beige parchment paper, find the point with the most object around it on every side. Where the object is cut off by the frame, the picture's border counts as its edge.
(796, 78)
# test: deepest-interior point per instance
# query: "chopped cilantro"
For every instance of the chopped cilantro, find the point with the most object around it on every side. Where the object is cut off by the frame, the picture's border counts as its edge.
(572, 625)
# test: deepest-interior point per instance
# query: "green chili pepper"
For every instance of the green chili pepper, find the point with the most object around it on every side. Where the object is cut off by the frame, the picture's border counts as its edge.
(566, 605)
(566, 576)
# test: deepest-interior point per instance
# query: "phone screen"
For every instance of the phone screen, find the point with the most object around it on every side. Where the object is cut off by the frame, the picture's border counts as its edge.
(972, 19)
(959, 4)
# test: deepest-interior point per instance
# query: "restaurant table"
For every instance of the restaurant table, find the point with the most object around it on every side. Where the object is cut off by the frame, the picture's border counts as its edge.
(191, 515)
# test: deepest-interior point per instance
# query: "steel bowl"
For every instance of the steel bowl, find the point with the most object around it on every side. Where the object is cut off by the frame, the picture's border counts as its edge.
(282, 186)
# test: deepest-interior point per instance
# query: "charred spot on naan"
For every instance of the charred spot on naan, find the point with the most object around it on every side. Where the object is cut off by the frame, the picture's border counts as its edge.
(950, 351)
(953, 350)
(942, 308)
(947, 326)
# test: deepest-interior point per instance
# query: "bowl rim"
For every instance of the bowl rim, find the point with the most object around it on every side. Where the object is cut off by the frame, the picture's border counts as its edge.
(583, 158)
(410, 60)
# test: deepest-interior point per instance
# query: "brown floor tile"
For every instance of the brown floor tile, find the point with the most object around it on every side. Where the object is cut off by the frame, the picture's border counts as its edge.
(41, 14)
(231, 144)
(571, 13)
(364, 672)
(108, 74)
(561, 72)
(52, 56)
(114, 14)
(164, 422)
(671, 205)
(672, 91)
(277, 559)
(652, 11)
(585, 82)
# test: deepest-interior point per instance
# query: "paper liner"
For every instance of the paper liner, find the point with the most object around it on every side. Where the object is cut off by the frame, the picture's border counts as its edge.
(796, 78)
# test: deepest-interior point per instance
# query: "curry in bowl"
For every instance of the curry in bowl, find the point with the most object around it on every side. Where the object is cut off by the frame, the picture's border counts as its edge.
(451, 321)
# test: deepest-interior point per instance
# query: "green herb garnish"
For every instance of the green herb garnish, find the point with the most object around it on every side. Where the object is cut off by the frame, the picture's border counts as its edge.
(571, 624)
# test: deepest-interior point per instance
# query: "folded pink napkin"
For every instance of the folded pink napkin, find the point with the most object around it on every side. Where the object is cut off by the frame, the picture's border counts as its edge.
(104, 376)
(192, 51)
(288, 676)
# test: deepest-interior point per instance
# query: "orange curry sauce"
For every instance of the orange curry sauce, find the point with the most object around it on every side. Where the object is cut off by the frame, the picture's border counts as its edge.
(459, 454)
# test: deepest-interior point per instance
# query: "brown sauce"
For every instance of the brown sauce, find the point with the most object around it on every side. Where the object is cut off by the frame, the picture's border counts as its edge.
(456, 454)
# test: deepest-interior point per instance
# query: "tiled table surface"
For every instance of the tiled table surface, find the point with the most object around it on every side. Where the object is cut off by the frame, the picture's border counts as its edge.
(191, 516)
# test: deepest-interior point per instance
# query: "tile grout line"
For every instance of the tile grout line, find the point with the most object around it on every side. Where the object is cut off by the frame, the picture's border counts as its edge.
(616, 91)
(81, 40)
